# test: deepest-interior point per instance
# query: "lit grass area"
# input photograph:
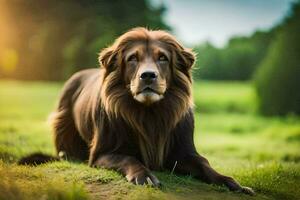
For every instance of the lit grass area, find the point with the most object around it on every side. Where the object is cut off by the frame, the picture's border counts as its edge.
(259, 152)
(219, 96)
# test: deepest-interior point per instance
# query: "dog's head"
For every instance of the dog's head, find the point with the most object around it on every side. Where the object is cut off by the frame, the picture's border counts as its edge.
(148, 63)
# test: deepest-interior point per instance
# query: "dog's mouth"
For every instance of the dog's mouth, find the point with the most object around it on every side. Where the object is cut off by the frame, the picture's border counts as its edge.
(148, 95)
(148, 90)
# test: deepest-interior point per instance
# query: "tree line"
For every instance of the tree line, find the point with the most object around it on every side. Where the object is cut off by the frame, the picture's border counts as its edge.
(236, 61)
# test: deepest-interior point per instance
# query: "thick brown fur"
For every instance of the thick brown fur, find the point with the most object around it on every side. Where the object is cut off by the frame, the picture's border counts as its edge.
(98, 120)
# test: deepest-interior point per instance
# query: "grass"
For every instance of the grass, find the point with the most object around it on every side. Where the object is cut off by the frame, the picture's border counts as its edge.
(262, 153)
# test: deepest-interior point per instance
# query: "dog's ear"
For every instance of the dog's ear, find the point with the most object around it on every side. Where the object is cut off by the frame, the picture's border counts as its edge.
(183, 58)
(107, 58)
(186, 58)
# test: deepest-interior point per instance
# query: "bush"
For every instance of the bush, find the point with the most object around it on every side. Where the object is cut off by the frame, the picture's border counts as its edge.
(278, 77)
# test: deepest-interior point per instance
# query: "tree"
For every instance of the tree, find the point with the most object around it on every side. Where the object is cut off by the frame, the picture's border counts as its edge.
(208, 62)
(52, 38)
(278, 77)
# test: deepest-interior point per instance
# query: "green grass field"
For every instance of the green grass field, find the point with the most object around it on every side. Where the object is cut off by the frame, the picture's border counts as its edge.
(262, 153)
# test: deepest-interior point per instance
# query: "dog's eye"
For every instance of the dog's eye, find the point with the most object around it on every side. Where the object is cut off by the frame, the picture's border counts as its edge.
(132, 58)
(162, 58)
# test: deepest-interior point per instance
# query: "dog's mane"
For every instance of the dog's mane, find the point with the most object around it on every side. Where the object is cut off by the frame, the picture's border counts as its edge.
(152, 124)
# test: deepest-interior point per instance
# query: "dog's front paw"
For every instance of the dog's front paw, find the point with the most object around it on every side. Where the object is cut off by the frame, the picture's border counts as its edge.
(247, 190)
(235, 186)
(143, 177)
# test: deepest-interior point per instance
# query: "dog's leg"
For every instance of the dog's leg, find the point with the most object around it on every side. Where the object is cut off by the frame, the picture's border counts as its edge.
(184, 158)
(130, 167)
(200, 168)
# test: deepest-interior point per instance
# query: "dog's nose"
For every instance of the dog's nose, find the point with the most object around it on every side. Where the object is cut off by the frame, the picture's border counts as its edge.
(148, 77)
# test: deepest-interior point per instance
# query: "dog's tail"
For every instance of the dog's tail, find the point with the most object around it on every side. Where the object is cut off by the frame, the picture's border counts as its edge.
(37, 159)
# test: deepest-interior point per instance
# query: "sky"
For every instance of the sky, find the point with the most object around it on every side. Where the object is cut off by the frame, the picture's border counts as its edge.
(196, 21)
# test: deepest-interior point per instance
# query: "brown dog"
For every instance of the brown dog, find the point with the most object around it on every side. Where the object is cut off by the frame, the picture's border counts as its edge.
(135, 113)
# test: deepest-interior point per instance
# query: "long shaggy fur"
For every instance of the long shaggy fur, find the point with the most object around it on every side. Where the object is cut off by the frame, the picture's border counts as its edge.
(95, 100)
(152, 126)
(98, 119)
